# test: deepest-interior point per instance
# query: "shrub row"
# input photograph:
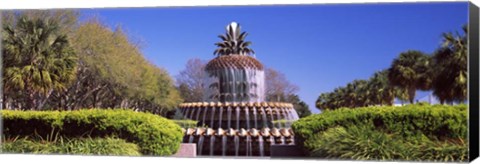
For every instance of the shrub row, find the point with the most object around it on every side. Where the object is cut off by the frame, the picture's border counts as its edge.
(186, 123)
(435, 122)
(366, 143)
(153, 134)
(84, 146)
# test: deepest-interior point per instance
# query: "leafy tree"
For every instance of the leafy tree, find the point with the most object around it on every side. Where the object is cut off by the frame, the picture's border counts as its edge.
(67, 19)
(114, 74)
(410, 71)
(37, 60)
(108, 69)
(450, 68)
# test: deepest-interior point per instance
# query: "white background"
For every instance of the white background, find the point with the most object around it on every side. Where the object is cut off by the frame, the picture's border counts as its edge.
(49, 4)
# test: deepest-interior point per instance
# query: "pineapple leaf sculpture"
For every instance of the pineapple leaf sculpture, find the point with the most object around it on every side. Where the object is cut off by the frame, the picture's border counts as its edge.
(233, 42)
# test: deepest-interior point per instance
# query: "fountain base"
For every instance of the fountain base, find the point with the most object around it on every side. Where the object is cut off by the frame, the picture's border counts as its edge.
(239, 129)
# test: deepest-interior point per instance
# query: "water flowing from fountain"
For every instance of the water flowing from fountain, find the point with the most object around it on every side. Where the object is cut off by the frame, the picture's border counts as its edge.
(221, 116)
(200, 144)
(237, 144)
(249, 146)
(235, 85)
(282, 139)
(224, 145)
(289, 114)
(204, 114)
(198, 113)
(212, 144)
(278, 117)
(183, 112)
(247, 117)
(255, 117)
(264, 117)
(229, 116)
(191, 113)
(271, 117)
(287, 120)
(296, 115)
(190, 139)
(213, 117)
(260, 142)
(237, 109)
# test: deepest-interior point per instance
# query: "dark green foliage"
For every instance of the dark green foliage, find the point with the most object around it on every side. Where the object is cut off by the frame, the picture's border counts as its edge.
(410, 70)
(366, 143)
(360, 93)
(362, 133)
(37, 60)
(84, 146)
(153, 134)
(450, 68)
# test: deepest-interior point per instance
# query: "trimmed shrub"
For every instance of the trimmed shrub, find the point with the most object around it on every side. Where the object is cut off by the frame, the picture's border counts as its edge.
(366, 143)
(186, 123)
(153, 134)
(362, 133)
(84, 146)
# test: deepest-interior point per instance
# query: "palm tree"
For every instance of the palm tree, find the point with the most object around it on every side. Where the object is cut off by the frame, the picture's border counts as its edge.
(37, 60)
(410, 71)
(361, 92)
(381, 93)
(450, 68)
(349, 95)
(322, 100)
(233, 42)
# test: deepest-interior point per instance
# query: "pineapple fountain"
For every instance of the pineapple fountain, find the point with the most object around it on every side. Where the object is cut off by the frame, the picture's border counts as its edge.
(234, 119)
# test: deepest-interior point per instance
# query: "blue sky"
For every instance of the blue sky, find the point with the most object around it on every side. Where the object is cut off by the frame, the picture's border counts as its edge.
(317, 47)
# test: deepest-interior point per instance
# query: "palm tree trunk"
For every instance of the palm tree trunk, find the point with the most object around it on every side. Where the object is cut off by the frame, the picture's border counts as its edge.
(411, 94)
(30, 103)
(42, 103)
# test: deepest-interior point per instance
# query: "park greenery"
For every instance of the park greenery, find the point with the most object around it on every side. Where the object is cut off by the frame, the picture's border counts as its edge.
(411, 132)
(60, 63)
(360, 121)
(444, 73)
(60, 145)
(81, 87)
(154, 135)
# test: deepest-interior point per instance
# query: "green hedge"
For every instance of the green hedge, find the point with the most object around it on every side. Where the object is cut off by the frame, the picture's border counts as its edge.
(154, 135)
(186, 123)
(84, 146)
(437, 123)
(366, 143)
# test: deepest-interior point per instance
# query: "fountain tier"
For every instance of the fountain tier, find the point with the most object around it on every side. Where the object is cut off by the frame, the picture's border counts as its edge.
(240, 115)
(234, 78)
(241, 142)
